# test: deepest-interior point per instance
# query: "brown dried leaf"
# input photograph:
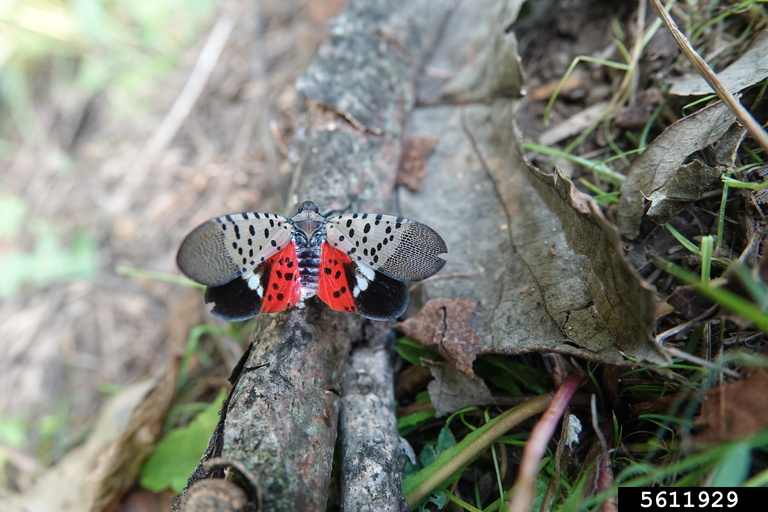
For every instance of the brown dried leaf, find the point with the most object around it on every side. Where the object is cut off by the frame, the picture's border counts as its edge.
(67, 486)
(452, 390)
(412, 168)
(685, 185)
(445, 326)
(658, 168)
(691, 180)
(120, 464)
(735, 410)
(542, 264)
(124, 435)
(749, 69)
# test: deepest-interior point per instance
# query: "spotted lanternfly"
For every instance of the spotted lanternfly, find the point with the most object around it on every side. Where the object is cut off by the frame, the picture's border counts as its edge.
(262, 262)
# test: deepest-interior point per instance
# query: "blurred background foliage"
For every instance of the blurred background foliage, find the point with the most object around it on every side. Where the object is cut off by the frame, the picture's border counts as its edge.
(49, 47)
(56, 57)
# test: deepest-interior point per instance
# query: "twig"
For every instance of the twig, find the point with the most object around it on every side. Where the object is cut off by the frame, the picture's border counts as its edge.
(662, 337)
(371, 455)
(181, 108)
(743, 115)
(674, 352)
(522, 495)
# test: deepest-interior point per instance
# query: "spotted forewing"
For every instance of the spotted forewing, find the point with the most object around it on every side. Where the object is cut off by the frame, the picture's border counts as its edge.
(226, 247)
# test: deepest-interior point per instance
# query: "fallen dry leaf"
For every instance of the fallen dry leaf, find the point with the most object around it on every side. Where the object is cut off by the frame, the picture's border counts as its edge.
(737, 409)
(452, 390)
(412, 168)
(749, 69)
(123, 437)
(659, 164)
(537, 257)
(445, 326)
(67, 487)
(691, 180)
(120, 464)
(685, 185)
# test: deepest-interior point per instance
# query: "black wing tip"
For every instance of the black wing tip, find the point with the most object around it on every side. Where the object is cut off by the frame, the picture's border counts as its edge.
(394, 315)
(434, 245)
(384, 299)
(439, 248)
(439, 264)
(441, 245)
(439, 242)
(224, 316)
(233, 301)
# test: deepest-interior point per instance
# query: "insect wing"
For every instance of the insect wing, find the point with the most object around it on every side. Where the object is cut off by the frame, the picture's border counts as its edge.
(223, 248)
(379, 297)
(270, 287)
(333, 283)
(280, 285)
(351, 286)
(234, 301)
(402, 249)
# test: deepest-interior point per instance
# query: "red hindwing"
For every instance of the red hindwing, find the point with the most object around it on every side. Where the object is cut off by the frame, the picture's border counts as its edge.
(334, 286)
(281, 283)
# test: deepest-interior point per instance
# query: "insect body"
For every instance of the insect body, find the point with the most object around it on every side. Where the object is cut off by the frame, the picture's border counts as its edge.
(262, 262)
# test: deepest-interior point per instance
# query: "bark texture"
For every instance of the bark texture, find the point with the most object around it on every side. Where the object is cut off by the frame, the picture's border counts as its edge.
(371, 455)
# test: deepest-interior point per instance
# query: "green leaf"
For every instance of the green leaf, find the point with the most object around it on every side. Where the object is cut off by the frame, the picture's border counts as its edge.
(445, 439)
(508, 371)
(177, 455)
(413, 352)
(438, 499)
(683, 241)
(427, 455)
(411, 422)
(734, 467)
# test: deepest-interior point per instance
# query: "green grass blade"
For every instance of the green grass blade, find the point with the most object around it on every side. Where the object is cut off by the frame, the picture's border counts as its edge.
(449, 462)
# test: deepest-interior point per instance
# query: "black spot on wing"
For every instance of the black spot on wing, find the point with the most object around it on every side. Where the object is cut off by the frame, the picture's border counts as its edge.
(233, 301)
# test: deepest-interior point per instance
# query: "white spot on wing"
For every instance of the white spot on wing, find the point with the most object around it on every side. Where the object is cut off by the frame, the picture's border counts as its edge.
(367, 271)
(254, 283)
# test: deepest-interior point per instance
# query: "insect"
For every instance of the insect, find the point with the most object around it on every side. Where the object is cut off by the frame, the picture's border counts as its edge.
(257, 263)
